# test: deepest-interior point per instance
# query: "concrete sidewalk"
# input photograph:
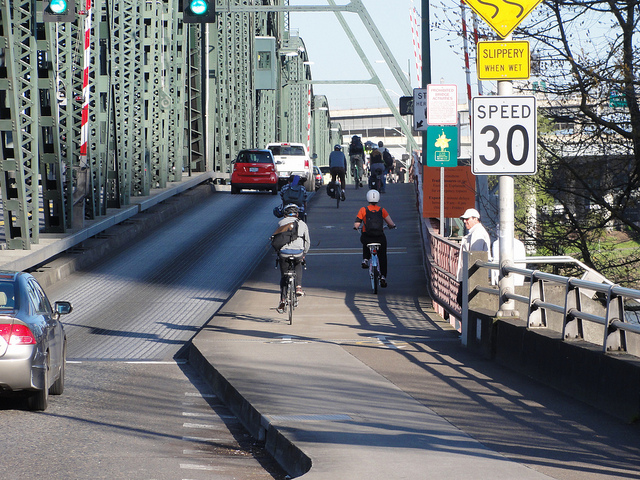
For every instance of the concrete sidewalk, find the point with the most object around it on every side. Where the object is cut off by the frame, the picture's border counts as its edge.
(308, 388)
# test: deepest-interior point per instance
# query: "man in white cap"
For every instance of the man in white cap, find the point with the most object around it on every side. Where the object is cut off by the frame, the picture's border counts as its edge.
(477, 240)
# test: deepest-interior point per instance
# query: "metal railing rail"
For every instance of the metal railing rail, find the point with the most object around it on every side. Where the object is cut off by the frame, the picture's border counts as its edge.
(614, 325)
(616, 334)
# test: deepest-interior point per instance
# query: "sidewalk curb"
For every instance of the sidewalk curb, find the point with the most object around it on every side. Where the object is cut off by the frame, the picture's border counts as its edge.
(286, 453)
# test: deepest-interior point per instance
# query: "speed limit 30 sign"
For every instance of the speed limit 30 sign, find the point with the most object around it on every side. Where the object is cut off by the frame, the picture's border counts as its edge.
(504, 135)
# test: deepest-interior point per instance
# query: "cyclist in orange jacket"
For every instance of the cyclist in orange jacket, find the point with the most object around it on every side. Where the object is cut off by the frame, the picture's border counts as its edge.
(372, 219)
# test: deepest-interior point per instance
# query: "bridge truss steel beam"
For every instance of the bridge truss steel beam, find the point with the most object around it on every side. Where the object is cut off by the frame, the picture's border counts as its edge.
(136, 118)
(19, 111)
(164, 98)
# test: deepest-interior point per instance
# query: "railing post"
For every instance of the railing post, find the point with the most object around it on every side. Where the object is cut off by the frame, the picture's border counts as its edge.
(614, 338)
(572, 326)
(464, 296)
(536, 316)
(472, 277)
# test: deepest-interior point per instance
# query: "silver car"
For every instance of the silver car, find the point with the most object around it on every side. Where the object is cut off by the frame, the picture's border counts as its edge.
(33, 345)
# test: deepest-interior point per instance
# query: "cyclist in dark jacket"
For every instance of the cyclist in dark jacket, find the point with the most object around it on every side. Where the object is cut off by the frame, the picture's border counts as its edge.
(338, 166)
(376, 168)
(356, 155)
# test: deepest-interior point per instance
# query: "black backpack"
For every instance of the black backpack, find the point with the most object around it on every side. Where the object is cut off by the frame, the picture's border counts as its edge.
(356, 148)
(387, 158)
(284, 235)
(373, 222)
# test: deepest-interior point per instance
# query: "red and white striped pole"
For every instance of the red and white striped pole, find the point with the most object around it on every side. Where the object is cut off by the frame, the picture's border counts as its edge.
(415, 32)
(84, 129)
(467, 69)
(82, 171)
(475, 39)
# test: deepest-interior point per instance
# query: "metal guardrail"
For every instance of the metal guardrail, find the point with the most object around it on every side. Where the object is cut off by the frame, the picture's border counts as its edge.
(615, 326)
(609, 314)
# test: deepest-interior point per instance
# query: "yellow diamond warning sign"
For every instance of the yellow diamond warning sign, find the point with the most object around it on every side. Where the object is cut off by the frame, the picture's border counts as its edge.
(503, 15)
(503, 60)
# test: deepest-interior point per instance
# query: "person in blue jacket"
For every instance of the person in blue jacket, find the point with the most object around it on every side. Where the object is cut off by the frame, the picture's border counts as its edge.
(338, 166)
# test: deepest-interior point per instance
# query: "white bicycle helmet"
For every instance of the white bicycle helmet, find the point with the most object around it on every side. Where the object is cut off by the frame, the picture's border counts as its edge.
(291, 210)
(373, 196)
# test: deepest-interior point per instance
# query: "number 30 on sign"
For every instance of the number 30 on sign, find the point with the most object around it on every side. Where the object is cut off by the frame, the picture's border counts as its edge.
(504, 135)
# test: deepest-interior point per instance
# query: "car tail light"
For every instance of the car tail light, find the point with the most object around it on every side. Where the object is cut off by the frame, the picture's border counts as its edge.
(17, 334)
(306, 163)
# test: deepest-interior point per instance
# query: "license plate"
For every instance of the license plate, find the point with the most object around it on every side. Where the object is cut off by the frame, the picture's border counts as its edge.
(253, 169)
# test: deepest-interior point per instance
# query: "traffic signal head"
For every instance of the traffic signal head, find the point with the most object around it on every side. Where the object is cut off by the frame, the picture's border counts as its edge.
(59, 11)
(198, 11)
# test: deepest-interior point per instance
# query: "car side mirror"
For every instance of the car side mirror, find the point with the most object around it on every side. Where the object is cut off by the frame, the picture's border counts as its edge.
(63, 308)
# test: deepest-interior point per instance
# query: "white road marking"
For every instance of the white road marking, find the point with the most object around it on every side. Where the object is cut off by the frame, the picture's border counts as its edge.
(200, 439)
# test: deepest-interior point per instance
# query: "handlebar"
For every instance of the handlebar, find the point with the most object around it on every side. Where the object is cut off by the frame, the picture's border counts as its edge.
(383, 227)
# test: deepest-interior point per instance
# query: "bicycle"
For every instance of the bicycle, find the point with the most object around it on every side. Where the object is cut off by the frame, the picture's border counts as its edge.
(290, 297)
(374, 266)
(356, 169)
(375, 274)
(338, 191)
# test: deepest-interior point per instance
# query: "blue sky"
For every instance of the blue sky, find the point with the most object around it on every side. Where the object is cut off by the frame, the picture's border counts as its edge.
(334, 58)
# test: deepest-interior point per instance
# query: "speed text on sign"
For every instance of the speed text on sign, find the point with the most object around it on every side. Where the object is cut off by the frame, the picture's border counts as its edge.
(504, 135)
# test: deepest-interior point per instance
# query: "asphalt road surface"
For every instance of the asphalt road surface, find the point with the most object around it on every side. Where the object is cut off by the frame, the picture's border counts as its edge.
(132, 408)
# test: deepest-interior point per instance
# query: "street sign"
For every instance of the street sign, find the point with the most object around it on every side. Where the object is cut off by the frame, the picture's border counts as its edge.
(504, 135)
(503, 16)
(459, 191)
(503, 60)
(420, 109)
(442, 146)
(617, 99)
(442, 104)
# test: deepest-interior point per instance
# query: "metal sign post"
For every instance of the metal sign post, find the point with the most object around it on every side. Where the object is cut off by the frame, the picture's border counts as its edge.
(507, 215)
(504, 18)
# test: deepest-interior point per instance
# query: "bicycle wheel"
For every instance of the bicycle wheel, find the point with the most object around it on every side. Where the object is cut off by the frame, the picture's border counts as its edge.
(375, 280)
(291, 298)
(338, 195)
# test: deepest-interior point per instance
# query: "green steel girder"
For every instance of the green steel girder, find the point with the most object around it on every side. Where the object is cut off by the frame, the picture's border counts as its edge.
(151, 79)
(51, 164)
(321, 130)
(62, 52)
(231, 87)
(20, 109)
(126, 83)
(194, 106)
(173, 95)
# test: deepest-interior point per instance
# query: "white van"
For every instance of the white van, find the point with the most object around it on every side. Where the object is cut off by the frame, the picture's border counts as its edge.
(292, 159)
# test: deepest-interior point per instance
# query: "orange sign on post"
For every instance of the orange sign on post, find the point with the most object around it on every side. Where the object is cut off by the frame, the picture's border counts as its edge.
(459, 191)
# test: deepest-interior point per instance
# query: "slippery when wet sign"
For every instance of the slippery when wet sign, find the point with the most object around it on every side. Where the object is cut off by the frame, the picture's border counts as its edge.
(503, 60)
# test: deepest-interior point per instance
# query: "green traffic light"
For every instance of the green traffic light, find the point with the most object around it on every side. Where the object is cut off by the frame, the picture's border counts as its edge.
(198, 7)
(59, 7)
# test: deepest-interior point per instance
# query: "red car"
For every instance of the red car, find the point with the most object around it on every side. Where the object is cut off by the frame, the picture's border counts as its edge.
(254, 169)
